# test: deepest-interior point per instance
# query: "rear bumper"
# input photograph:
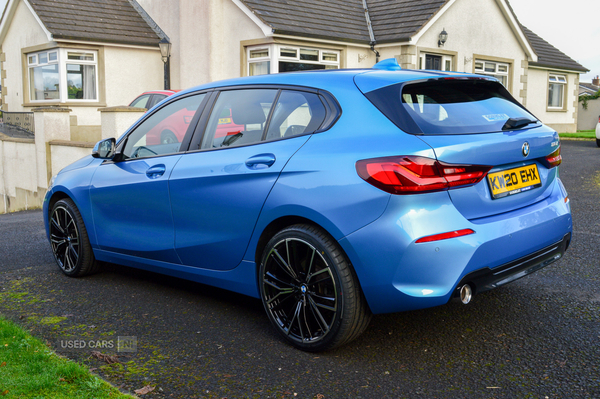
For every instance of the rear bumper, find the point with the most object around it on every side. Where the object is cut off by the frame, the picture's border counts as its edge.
(487, 279)
(398, 274)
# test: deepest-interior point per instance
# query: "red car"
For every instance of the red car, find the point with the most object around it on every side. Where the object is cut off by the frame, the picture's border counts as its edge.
(150, 98)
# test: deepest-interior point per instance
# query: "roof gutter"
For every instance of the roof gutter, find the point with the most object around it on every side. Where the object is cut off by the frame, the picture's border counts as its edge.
(371, 34)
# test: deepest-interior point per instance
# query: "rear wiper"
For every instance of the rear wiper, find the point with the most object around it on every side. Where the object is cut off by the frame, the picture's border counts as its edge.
(517, 123)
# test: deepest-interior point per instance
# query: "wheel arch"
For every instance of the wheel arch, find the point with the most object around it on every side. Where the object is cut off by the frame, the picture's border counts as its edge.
(284, 222)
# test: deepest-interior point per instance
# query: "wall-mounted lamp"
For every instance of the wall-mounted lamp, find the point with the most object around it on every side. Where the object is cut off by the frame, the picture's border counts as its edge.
(165, 53)
(443, 37)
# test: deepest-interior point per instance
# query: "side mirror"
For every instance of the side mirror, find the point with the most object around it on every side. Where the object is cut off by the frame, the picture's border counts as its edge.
(104, 149)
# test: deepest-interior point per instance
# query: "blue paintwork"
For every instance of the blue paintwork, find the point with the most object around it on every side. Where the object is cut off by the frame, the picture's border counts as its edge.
(201, 215)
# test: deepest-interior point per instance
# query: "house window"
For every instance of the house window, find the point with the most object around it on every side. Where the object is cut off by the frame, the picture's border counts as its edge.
(282, 58)
(44, 78)
(498, 70)
(435, 62)
(556, 90)
(63, 75)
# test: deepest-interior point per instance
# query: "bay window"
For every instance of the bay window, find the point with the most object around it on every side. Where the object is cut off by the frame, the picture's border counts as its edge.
(277, 58)
(63, 75)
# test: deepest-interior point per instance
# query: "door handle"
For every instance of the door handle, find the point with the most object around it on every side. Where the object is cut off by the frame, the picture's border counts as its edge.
(260, 161)
(156, 171)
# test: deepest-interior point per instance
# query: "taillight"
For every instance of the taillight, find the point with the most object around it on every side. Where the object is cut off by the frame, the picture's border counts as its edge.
(413, 174)
(553, 159)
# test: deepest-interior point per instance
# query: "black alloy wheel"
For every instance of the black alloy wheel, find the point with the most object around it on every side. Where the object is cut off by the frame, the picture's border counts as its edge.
(307, 285)
(69, 240)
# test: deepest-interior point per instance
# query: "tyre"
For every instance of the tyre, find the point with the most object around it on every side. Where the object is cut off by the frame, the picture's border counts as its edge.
(309, 290)
(69, 240)
(598, 142)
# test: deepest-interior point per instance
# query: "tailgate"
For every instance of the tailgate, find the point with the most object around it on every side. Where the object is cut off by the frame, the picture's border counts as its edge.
(504, 151)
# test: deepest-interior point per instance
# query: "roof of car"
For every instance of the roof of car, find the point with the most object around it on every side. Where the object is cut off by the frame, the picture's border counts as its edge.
(330, 79)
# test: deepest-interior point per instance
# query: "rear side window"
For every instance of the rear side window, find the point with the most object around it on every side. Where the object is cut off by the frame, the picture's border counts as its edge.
(296, 113)
(443, 106)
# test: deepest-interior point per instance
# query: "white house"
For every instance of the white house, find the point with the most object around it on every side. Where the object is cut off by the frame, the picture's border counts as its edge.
(86, 54)
(77, 54)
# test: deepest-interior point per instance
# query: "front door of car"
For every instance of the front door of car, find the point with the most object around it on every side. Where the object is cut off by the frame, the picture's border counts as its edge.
(130, 197)
(218, 192)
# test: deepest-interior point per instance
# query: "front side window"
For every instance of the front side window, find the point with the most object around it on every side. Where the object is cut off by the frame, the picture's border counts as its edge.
(498, 70)
(556, 90)
(164, 130)
(282, 58)
(63, 75)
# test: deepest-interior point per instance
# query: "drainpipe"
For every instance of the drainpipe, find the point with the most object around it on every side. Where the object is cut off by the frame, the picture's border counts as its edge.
(373, 42)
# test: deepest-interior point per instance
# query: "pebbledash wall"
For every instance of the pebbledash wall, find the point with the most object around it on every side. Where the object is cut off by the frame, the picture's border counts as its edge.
(27, 165)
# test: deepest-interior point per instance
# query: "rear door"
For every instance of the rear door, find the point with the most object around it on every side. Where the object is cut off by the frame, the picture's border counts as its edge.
(218, 190)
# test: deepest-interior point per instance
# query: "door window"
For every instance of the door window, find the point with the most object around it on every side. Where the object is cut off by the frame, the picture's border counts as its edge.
(164, 130)
(238, 118)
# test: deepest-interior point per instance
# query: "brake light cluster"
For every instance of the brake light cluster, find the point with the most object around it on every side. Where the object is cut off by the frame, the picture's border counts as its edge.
(410, 174)
(553, 159)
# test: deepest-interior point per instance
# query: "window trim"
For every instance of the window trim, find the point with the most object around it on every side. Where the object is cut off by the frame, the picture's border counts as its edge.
(446, 55)
(274, 56)
(332, 109)
(51, 47)
(565, 84)
(498, 60)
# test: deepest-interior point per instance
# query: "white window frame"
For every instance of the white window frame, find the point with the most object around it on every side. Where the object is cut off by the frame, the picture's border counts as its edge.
(62, 60)
(497, 72)
(274, 56)
(445, 60)
(557, 79)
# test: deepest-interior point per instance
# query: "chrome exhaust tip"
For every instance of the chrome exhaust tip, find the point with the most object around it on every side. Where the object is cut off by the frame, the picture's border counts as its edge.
(466, 294)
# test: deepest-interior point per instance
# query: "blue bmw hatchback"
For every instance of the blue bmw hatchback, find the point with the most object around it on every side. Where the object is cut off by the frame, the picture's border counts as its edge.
(329, 195)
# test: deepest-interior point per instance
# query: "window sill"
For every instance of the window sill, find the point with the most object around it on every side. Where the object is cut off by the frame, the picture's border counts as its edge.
(556, 109)
(69, 104)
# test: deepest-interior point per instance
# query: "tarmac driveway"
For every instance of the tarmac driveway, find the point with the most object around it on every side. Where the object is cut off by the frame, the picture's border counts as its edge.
(538, 337)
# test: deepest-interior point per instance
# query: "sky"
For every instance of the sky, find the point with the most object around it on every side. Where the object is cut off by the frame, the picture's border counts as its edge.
(570, 26)
(561, 24)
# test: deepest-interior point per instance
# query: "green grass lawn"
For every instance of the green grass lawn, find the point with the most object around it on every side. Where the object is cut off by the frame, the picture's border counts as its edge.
(29, 369)
(581, 134)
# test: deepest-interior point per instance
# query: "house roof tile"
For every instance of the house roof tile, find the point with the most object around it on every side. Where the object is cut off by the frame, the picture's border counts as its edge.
(549, 56)
(392, 21)
(329, 19)
(112, 21)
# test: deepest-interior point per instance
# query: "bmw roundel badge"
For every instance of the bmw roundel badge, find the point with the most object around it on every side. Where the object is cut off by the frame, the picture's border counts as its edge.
(525, 149)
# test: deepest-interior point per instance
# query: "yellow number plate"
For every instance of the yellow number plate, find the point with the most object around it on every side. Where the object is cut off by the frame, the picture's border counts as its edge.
(224, 121)
(514, 181)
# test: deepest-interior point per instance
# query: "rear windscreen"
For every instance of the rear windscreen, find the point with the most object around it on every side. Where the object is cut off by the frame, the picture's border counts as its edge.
(448, 106)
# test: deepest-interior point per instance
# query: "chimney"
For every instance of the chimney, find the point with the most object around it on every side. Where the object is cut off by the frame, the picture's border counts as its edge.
(596, 81)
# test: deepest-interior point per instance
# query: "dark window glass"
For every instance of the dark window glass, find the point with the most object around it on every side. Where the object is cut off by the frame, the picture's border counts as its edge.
(296, 113)
(448, 106)
(297, 66)
(238, 118)
(163, 131)
(433, 62)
